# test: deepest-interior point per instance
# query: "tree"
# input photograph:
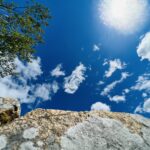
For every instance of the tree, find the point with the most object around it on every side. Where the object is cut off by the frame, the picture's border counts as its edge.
(21, 30)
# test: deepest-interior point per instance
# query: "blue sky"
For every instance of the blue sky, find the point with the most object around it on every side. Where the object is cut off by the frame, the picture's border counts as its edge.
(95, 56)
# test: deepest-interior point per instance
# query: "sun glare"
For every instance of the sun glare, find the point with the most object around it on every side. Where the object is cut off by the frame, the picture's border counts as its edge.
(125, 16)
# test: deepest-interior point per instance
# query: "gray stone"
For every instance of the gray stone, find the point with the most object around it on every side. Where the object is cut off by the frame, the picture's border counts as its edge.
(9, 103)
(141, 119)
(66, 130)
(146, 135)
(28, 146)
(3, 141)
(30, 133)
(101, 134)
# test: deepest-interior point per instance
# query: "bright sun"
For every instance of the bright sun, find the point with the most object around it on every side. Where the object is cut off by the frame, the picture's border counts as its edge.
(125, 16)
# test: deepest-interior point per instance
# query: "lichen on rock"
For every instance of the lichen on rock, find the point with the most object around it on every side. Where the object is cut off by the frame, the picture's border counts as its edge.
(66, 130)
(30, 133)
(101, 133)
(28, 146)
(3, 141)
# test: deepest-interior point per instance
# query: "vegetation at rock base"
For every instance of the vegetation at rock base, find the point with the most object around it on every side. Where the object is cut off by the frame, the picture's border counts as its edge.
(21, 30)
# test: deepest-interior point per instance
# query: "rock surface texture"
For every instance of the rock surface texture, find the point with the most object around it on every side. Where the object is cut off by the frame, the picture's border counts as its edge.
(66, 130)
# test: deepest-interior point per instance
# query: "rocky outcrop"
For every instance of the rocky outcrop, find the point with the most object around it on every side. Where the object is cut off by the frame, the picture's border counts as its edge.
(9, 110)
(66, 130)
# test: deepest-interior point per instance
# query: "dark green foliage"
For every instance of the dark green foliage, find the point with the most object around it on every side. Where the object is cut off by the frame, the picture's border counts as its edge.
(21, 29)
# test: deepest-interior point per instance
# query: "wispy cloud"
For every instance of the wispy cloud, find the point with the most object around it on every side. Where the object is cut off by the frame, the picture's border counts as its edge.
(145, 108)
(100, 83)
(45, 91)
(117, 98)
(72, 82)
(57, 72)
(114, 65)
(96, 47)
(138, 109)
(142, 84)
(111, 86)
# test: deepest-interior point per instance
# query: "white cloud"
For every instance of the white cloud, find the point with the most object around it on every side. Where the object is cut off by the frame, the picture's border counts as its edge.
(96, 47)
(100, 83)
(22, 88)
(138, 109)
(100, 106)
(72, 82)
(45, 90)
(114, 65)
(126, 91)
(145, 108)
(125, 16)
(144, 95)
(117, 98)
(142, 84)
(29, 70)
(9, 87)
(57, 72)
(55, 87)
(111, 86)
(143, 49)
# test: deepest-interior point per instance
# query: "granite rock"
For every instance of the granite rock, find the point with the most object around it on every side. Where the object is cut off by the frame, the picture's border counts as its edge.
(66, 130)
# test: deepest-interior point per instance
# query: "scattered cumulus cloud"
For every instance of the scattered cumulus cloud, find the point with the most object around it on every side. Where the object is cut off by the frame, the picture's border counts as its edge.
(100, 106)
(114, 65)
(45, 90)
(125, 16)
(143, 50)
(57, 72)
(72, 82)
(117, 98)
(111, 86)
(145, 108)
(29, 70)
(21, 86)
(25, 86)
(142, 84)
(11, 87)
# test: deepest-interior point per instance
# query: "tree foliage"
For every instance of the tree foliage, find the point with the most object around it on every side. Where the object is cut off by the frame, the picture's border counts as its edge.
(21, 30)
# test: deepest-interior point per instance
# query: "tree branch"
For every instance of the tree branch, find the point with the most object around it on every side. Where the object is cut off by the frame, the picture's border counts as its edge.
(7, 7)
